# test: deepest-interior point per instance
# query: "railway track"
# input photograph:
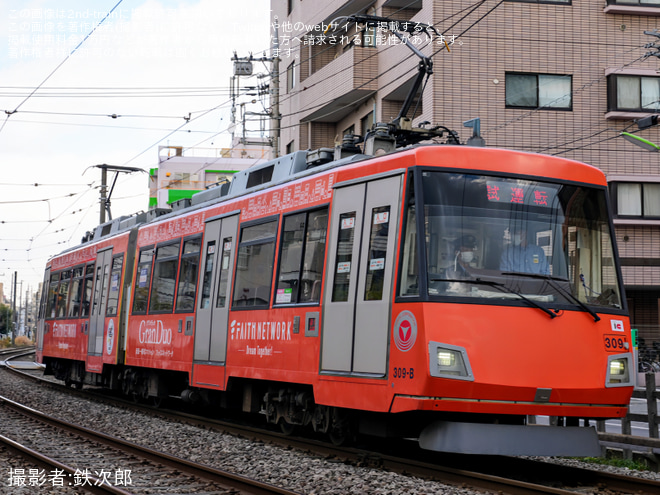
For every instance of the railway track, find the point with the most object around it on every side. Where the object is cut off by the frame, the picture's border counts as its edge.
(501, 474)
(13, 351)
(96, 462)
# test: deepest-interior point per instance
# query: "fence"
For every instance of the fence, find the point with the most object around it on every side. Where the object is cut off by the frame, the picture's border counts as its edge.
(651, 418)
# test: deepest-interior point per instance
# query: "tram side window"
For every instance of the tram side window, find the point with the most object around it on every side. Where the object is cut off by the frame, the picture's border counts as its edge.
(63, 293)
(115, 285)
(142, 278)
(380, 222)
(75, 292)
(187, 289)
(164, 279)
(52, 295)
(343, 265)
(301, 259)
(254, 270)
(87, 289)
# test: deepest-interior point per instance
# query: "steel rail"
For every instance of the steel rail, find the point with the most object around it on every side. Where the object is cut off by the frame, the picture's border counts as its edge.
(236, 482)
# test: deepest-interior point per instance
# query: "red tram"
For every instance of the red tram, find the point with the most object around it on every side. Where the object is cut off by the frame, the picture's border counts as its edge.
(444, 293)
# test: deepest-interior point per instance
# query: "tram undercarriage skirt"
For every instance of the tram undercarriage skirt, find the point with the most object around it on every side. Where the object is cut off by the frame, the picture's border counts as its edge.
(495, 439)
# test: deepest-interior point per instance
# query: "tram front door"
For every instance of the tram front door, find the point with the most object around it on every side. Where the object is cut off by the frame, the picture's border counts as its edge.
(213, 304)
(357, 303)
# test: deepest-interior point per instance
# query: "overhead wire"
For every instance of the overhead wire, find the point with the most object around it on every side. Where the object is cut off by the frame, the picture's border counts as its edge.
(471, 8)
(9, 113)
(293, 93)
(393, 66)
(184, 124)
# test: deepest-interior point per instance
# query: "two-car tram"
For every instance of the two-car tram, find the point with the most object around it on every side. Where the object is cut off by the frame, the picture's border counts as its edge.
(445, 293)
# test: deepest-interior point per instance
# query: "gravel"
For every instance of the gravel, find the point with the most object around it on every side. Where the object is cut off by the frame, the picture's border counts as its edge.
(298, 471)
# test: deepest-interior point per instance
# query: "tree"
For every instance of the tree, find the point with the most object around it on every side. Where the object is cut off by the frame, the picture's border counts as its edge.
(5, 319)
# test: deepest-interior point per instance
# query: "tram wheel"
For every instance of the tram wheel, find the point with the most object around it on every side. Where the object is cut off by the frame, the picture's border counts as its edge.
(338, 437)
(287, 428)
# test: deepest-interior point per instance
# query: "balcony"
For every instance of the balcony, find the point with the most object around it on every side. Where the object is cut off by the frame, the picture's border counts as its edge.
(340, 85)
(633, 7)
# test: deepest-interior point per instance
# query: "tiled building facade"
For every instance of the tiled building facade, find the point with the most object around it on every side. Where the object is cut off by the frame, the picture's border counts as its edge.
(560, 77)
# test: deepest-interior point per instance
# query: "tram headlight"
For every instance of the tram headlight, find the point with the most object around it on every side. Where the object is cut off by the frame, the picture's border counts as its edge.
(446, 358)
(449, 361)
(618, 371)
(617, 367)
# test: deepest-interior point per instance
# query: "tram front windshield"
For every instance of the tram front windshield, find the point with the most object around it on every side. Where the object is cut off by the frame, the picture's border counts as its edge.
(512, 239)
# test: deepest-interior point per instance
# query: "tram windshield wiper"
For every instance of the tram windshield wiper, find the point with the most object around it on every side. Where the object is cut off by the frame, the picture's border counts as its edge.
(553, 283)
(501, 287)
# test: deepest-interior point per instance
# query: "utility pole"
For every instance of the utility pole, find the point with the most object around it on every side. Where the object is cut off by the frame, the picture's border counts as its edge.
(275, 93)
(20, 308)
(243, 67)
(105, 196)
(27, 333)
(13, 314)
(104, 187)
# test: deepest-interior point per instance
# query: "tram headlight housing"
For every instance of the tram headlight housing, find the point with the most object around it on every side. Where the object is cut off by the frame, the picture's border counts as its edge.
(618, 371)
(449, 361)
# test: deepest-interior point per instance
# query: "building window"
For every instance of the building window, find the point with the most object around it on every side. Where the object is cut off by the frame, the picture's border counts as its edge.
(291, 76)
(548, 91)
(290, 148)
(635, 199)
(366, 122)
(633, 93)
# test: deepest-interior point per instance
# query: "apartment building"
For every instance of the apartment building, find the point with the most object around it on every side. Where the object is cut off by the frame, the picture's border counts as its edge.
(562, 77)
(182, 172)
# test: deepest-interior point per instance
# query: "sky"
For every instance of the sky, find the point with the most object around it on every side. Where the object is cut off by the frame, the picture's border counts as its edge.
(162, 67)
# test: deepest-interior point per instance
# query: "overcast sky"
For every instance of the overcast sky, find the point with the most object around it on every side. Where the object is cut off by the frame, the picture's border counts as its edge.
(151, 63)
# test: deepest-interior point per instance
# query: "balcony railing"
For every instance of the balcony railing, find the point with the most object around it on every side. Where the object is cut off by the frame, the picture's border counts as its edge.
(638, 3)
(633, 7)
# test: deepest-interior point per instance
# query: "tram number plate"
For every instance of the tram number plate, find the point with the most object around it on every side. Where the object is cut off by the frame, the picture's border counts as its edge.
(405, 373)
(616, 343)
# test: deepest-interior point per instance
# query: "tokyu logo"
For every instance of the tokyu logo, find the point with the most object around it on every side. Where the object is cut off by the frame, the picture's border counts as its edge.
(404, 331)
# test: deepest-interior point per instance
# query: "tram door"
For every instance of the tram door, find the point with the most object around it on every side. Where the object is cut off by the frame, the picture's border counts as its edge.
(99, 302)
(213, 303)
(360, 271)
